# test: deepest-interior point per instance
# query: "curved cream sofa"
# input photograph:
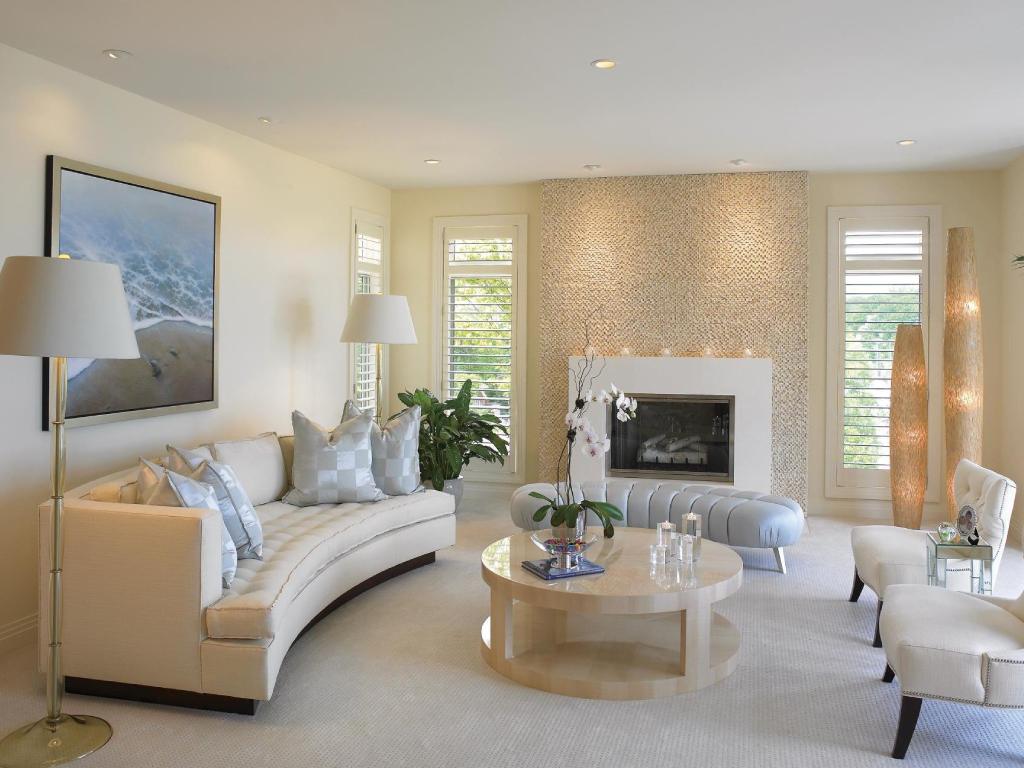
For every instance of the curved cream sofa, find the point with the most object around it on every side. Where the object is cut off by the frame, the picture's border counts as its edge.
(146, 617)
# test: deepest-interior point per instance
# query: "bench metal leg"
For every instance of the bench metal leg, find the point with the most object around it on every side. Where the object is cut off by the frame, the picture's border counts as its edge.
(780, 559)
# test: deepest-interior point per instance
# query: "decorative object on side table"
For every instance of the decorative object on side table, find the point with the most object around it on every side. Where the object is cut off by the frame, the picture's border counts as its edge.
(908, 427)
(967, 524)
(452, 434)
(59, 308)
(962, 374)
(166, 241)
(977, 556)
(569, 514)
(946, 533)
(379, 319)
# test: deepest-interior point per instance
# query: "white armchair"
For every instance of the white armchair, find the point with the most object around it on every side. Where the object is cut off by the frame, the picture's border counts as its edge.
(954, 646)
(884, 555)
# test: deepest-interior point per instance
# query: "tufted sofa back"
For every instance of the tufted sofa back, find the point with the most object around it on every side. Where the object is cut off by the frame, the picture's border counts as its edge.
(992, 497)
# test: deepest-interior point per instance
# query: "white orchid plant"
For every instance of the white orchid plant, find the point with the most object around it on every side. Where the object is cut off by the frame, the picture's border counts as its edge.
(565, 509)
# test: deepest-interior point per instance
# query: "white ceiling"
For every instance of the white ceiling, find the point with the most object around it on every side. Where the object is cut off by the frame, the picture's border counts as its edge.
(502, 90)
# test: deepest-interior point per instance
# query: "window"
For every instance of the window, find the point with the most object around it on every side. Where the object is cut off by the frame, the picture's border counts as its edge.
(881, 261)
(369, 275)
(481, 295)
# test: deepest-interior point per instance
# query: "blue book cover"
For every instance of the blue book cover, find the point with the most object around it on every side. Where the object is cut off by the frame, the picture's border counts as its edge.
(546, 570)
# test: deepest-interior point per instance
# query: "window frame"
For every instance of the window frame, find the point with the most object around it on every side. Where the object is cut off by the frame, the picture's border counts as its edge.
(513, 470)
(850, 483)
(369, 218)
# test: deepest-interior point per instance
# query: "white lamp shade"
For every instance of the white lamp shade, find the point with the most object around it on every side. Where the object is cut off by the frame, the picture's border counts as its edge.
(378, 319)
(53, 307)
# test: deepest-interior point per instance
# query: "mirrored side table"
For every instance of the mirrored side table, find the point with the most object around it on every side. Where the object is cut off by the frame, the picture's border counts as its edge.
(976, 559)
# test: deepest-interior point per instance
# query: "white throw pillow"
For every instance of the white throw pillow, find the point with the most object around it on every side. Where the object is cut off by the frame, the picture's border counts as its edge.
(395, 448)
(258, 464)
(332, 466)
(163, 488)
(239, 516)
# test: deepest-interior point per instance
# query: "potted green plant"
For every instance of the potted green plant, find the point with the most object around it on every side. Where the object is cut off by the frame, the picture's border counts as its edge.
(452, 434)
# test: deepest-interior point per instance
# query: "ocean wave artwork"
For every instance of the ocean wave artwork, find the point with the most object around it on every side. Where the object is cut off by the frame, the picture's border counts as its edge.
(165, 245)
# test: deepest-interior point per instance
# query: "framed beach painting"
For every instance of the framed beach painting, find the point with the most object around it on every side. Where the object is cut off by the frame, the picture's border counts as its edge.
(166, 240)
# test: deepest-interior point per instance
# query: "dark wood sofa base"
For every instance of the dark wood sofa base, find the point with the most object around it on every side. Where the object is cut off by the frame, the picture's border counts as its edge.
(153, 695)
(212, 701)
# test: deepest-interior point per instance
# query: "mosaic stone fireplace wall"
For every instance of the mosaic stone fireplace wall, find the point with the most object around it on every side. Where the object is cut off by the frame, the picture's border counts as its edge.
(699, 263)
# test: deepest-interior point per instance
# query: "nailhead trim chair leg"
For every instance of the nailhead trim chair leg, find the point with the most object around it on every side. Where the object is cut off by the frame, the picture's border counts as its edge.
(910, 709)
(858, 587)
(888, 675)
(878, 634)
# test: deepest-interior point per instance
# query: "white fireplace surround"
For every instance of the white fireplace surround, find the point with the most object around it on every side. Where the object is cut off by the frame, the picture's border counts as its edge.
(749, 380)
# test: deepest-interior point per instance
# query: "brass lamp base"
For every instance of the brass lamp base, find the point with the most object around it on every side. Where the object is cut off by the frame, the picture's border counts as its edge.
(45, 743)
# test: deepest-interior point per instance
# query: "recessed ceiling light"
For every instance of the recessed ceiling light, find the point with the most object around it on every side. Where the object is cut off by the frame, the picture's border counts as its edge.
(116, 53)
(432, 161)
(603, 64)
(592, 167)
(907, 142)
(739, 162)
(265, 120)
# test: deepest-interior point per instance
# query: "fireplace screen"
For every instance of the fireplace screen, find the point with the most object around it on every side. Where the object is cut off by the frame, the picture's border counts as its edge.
(675, 436)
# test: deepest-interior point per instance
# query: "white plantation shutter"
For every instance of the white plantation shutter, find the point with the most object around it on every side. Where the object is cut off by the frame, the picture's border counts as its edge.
(369, 277)
(882, 275)
(481, 296)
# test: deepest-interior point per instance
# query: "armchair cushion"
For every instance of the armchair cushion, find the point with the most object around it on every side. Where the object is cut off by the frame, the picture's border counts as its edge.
(952, 645)
(887, 554)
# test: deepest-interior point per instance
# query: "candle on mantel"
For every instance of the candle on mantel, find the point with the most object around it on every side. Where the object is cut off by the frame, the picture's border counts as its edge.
(666, 352)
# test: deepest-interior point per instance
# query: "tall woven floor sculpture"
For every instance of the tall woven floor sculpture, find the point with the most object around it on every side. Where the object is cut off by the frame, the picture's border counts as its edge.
(908, 427)
(962, 371)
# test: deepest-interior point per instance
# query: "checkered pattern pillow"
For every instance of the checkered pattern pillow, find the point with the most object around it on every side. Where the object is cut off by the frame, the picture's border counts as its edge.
(332, 467)
(396, 450)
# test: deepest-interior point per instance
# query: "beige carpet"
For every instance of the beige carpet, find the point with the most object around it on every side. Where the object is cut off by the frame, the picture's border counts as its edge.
(395, 678)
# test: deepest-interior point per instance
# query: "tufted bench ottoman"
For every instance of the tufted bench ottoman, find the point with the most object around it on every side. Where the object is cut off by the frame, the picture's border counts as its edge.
(728, 516)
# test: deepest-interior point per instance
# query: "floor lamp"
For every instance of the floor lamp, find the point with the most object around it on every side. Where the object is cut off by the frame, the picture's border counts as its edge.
(962, 363)
(60, 308)
(375, 318)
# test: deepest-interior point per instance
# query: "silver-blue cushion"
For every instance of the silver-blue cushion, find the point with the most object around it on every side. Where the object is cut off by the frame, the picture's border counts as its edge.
(239, 515)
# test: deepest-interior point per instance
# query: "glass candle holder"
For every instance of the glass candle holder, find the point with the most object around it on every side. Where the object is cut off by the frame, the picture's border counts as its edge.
(659, 553)
(664, 532)
(692, 528)
(686, 549)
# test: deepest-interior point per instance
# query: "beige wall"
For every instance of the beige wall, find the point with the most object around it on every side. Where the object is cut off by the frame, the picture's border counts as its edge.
(1012, 416)
(284, 284)
(412, 216)
(982, 199)
(968, 199)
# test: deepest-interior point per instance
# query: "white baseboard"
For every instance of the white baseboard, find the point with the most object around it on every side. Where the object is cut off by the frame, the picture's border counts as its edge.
(17, 633)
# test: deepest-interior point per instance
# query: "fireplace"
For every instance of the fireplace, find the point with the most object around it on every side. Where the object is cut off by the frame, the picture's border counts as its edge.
(686, 437)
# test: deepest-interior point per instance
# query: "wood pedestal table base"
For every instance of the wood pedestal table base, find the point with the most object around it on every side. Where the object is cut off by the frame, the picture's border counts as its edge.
(636, 631)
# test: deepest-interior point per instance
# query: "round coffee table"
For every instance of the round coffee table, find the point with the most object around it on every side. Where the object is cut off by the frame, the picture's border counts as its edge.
(636, 631)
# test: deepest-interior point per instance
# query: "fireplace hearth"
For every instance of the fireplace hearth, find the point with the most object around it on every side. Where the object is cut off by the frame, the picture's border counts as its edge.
(685, 437)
